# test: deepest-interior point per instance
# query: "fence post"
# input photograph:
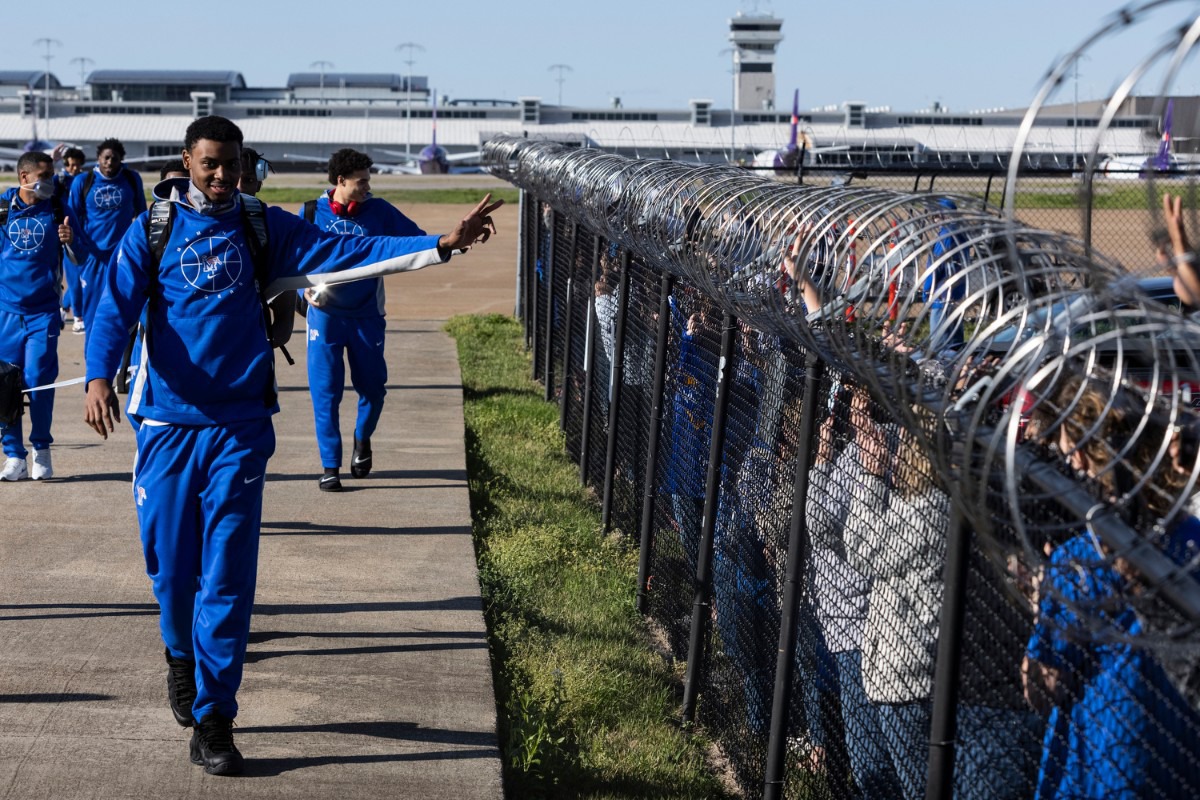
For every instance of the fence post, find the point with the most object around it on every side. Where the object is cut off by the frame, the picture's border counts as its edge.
(535, 279)
(589, 360)
(702, 602)
(618, 377)
(519, 300)
(943, 724)
(656, 419)
(565, 372)
(797, 563)
(548, 275)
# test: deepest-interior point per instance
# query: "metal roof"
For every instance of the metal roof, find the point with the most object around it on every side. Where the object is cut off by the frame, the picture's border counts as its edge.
(167, 77)
(31, 79)
(352, 80)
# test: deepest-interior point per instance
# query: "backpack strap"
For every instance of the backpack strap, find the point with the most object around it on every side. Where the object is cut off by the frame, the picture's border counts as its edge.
(4, 206)
(159, 221)
(310, 211)
(254, 225)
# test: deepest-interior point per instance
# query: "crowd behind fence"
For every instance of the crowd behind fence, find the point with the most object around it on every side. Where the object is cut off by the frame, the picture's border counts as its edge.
(909, 483)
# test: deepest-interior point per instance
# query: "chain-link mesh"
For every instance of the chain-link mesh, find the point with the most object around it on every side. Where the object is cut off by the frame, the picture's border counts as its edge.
(992, 546)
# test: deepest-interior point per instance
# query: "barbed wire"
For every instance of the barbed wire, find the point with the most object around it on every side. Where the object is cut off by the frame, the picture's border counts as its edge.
(1021, 344)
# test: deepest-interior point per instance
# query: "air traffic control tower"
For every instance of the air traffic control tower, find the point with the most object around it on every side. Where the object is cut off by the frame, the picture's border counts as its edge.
(755, 38)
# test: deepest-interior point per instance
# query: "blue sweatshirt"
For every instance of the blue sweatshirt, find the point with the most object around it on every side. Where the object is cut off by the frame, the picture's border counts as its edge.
(30, 271)
(111, 204)
(207, 359)
(376, 217)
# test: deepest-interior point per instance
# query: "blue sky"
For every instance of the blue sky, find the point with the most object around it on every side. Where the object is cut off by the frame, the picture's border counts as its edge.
(964, 54)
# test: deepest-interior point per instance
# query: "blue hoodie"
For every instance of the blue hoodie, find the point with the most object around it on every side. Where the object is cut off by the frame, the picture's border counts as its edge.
(376, 217)
(208, 361)
(30, 275)
(106, 212)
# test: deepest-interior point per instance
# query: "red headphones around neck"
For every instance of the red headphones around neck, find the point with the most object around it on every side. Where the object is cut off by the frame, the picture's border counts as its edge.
(348, 210)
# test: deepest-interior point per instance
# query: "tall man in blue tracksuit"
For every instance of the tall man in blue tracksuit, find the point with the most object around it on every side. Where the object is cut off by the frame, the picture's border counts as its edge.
(103, 203)
(35, 228)
(349, 318)
(203, 397)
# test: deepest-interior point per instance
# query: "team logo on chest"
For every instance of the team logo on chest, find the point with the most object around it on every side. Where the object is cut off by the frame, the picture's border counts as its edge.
(107, 197)
(26, 233)
(211, 264)
(346, 227)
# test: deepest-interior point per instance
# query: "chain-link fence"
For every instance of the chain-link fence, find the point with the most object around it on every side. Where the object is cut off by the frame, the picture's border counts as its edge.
(862, 518)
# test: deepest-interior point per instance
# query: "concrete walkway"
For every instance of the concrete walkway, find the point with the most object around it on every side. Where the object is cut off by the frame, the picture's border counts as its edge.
(367, 674)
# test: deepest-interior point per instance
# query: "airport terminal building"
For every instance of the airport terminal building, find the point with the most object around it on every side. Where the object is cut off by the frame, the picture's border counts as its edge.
(389, 115)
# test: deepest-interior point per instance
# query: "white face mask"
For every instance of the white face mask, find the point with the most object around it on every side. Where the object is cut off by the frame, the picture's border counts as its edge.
(42, 190)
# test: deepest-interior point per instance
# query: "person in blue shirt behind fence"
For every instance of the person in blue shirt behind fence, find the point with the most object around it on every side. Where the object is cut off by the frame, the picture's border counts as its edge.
(1117, 727)
(346, 323)
(35, 228)
(193, 270)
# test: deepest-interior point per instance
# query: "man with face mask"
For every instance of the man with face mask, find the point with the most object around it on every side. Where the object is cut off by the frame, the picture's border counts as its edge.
(103, 203)
(34, 230)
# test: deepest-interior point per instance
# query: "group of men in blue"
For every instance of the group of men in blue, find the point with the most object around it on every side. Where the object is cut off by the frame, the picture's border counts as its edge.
(190, 277)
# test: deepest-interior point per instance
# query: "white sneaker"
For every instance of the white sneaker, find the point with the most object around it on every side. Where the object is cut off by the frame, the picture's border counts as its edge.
(62, 313)
(77, 327)
(41, 467)
(14, 470)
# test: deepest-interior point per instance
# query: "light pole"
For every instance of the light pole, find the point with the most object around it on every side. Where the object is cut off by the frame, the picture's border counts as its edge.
(732, 101)
(48, 42)
(83, 62)
(561, 69)
(322, 66)
(412, 47)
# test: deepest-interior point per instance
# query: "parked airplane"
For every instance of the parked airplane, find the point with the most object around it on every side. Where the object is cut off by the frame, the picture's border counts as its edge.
(786, 160)
(432, 160)
(1134, 167)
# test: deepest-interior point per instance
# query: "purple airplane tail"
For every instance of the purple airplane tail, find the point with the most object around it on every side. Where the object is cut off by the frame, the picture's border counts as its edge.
(1162, 159)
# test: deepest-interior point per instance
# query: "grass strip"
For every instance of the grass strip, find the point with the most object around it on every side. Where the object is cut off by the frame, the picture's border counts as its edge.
(586, 708)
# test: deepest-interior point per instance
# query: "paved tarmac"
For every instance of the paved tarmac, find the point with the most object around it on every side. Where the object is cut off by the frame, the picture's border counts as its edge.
(367, 674)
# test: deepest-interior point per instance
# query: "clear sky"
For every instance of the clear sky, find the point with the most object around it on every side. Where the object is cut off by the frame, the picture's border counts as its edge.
(966, 54)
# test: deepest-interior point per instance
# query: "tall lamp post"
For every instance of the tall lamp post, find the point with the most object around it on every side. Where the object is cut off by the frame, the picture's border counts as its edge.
(83, 62)
(561, 68)
(48, 43)
(732, 101)
(322, 66)
(411, 47)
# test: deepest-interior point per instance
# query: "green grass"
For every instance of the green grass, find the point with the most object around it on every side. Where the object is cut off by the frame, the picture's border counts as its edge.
(397, 196)
(587, 709)
(1133, 196)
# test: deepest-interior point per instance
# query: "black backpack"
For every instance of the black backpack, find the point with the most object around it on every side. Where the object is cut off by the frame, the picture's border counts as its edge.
(12, 401)
(254, 223)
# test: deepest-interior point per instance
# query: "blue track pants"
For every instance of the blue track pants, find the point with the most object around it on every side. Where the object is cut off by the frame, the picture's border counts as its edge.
(361, 340)
(31, 342)
(199, 493)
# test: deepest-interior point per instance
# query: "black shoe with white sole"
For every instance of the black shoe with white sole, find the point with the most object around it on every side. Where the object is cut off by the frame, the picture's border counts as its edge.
(360, 462)
(331, 481)
(212, 746)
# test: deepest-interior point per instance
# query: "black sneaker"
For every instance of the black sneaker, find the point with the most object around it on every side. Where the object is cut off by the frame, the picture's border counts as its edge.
(212, 746)
(360, 462)
(330, 481)
(181, 688)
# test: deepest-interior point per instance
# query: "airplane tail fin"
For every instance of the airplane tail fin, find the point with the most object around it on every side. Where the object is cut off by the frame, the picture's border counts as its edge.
(433, 141)
(1162, 159)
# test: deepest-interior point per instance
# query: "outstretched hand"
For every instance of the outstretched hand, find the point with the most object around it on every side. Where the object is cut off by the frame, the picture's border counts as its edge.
(476, 226)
